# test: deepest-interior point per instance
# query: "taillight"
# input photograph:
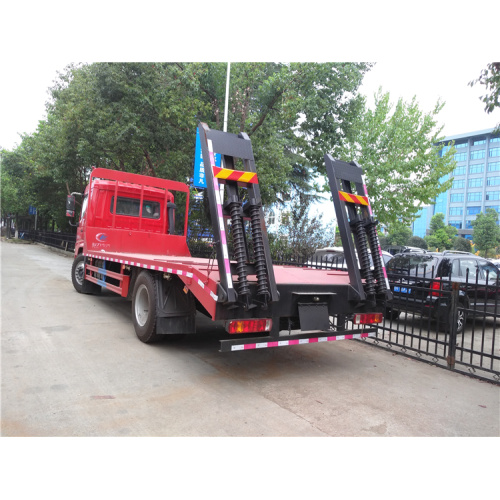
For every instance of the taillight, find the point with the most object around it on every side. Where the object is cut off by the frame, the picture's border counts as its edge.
(249, 325)
(435, 288)
(365, 318)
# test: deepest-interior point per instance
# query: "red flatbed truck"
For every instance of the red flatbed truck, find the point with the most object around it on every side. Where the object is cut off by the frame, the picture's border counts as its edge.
(131, 239)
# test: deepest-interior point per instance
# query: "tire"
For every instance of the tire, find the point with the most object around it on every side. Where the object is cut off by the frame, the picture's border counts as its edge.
(78, 273)
(144, 308)
(461, 318)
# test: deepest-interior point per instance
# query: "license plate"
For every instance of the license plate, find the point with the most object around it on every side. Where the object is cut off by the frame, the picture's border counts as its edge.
(402, 289)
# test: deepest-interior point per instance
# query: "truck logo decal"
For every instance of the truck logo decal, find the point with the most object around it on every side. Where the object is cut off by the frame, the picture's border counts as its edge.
(101, 236)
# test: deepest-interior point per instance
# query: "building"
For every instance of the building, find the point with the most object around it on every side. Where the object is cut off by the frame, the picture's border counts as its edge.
(476, 183)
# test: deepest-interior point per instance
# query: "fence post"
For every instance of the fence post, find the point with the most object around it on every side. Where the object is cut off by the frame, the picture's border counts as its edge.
(452, 345)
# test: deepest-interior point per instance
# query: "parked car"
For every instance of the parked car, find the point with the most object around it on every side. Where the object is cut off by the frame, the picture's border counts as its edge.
(419, 283)
(496, 262)
(394, 249)
(334, 257)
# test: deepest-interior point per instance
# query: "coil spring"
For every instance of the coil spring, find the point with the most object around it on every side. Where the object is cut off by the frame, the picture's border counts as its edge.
(239, 247)
(364, 259)
(258, 251)
(377, 266)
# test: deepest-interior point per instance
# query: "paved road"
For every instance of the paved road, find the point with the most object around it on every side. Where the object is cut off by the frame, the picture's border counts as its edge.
(71, 365)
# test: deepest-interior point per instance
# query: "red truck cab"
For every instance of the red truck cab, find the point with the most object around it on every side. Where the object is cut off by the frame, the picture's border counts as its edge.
(130, 217)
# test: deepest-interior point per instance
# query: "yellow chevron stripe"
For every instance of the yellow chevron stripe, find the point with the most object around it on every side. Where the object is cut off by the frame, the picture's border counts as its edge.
(247, 176)
(353, 198)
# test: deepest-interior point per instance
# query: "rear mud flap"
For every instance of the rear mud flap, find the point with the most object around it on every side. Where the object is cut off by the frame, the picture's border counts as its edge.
(314, 316)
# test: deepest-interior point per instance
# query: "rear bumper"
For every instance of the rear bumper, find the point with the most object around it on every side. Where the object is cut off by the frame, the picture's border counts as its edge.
(297, 339)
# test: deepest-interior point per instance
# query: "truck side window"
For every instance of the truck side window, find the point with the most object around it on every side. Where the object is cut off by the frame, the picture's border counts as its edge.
(130, 207)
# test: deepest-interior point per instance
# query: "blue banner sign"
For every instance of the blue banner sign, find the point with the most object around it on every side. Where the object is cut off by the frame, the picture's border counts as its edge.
(199, 179)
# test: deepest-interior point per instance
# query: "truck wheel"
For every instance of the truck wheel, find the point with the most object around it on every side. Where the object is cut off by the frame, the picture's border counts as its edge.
(144, 308)
(78, 273)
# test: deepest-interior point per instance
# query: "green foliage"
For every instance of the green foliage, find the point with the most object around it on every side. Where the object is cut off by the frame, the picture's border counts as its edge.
(299, 235)
(486, 231)
(399, 235)
(462, 244)
(417, 241)
(490, 78)
(395, 146)
(441, 236)
(142, 117)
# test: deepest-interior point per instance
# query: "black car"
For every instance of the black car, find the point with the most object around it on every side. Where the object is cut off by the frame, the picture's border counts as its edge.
(421, 284)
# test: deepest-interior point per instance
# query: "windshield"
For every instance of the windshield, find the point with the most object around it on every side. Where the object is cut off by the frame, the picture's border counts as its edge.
(421, 264)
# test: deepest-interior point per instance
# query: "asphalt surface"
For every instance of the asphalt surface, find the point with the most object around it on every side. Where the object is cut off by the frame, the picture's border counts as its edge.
(71, 365)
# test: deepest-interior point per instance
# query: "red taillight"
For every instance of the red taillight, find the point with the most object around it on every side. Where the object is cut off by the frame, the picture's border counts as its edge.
(435, 287)
(249, 325)
(365, 318)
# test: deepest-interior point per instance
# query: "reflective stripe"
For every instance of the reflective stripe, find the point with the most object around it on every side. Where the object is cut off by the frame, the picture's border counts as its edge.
(313, 340)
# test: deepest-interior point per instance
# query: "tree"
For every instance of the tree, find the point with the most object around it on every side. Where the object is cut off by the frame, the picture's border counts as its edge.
(490, 78)
(397, 150)
(486, 231)
(142, 117)
(441, 236)
(418, 242)
(299, 235)
(461, 244)
(399, 235)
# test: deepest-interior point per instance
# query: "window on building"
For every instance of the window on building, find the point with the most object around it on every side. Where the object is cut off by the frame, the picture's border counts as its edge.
(456, 198)
(494, 207)
(457, 224)
(444, 150)
(456, 211)
(474, 196)
(494, 152)
(459, 171)
(476, 182)
(461, 145)
(479, 142)
(495, 139)
(492, 195)
(494, 166)
(461, 156)
(477, 155)
(473, 210)
(468, 224)
(493, 181)
(476, 169)
(458, 184)
(271, 218)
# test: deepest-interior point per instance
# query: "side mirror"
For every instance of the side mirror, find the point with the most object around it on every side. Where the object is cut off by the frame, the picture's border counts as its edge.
(70, 206)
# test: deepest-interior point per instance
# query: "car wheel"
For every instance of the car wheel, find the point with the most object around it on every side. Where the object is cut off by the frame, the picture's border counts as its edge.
(461, 318)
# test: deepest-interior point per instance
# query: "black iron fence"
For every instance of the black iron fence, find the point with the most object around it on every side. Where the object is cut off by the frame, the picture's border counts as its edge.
(63, 241)
(445, 322)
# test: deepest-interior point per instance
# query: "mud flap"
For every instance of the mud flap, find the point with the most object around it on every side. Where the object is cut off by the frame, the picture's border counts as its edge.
(314, 316)
(176, 308)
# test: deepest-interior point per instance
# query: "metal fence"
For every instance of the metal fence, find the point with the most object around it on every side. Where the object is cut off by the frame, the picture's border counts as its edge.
(415, 330)
(446, 322)
(63, 241)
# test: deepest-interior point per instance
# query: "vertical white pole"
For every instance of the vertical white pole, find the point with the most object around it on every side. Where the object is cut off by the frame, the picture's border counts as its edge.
(227, 95)
(221, 187)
